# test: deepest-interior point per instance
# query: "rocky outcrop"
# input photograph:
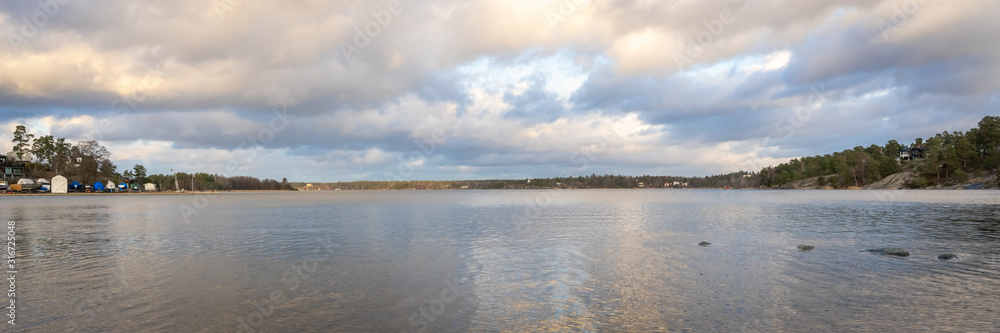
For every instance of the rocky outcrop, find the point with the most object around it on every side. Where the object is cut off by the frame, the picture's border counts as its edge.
(804, 184)
(704, 243)
(804, 247)
(977, 183)
(894, 181)
(947, 256)
(890, 251)
(898, 181)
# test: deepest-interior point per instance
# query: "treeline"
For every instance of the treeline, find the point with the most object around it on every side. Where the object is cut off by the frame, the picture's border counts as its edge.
(855, 167)
(89, 162)
(210, 182)
(947, 158)
(734, 180)
(47, 156)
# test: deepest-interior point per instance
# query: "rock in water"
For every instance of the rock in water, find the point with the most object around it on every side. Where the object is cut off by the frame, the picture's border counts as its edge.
(897, 252)
(804, 247)
(892, 251)
(704, 243)
(947, 256)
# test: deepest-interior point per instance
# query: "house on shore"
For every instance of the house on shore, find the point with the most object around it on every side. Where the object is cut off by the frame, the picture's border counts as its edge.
(911, 153)
(11, 171)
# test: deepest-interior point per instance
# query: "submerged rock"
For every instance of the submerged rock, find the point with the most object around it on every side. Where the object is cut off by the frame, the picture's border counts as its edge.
(704, 243)
(804, 247)
(947, 256)
(892, 251)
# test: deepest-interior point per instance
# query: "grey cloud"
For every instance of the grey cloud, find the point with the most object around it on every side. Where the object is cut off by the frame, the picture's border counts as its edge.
(226, 75)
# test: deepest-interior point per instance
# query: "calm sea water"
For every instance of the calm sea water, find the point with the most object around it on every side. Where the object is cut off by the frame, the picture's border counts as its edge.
(579, 260)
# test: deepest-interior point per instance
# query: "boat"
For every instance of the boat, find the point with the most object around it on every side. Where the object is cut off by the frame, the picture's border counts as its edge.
(28, 185)
(44, 184)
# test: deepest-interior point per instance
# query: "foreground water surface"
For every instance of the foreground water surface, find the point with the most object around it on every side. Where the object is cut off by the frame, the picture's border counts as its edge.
(578, 260)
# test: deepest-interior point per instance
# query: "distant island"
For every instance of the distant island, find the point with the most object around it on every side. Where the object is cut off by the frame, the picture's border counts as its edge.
(733, 180)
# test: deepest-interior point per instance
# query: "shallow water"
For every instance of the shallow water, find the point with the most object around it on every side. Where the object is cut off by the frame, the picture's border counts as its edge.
(577, 260)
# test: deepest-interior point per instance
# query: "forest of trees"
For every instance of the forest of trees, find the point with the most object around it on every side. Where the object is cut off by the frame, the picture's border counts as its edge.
(89, 162)
(47, 156)
(949, 158)
(211, 182)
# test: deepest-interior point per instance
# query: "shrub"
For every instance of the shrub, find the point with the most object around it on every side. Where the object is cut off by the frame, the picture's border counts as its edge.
(919, 182)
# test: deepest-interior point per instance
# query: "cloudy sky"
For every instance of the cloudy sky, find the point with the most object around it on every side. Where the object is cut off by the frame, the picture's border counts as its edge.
(317, 90)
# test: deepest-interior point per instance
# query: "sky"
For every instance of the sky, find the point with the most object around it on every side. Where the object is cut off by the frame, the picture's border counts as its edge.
(328, 91)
